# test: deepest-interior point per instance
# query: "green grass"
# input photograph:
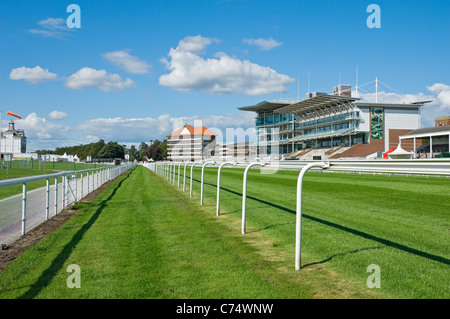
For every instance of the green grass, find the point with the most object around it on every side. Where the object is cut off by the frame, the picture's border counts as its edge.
(142, 238)
(351, 221)
(145, 238)
(23, 169)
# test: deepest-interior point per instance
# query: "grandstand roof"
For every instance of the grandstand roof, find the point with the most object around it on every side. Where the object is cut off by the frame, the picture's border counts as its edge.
(323, 101)
(266, 106)
(427, 132)
(319, 101)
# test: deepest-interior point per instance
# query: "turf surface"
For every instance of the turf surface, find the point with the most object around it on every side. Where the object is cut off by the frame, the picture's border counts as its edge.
(145, 238)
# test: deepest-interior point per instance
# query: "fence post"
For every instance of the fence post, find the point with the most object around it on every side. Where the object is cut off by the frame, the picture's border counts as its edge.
(184, 176)
(24, 207)
(56, 196)
(47, 199)
(201, 184)
(244, 194)
(64, 192)
(179, 168)
(218, 185)
(192, 171)
(298, 222)
(76, 188)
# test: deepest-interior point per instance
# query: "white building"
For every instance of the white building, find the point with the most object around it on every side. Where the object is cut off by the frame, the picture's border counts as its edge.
(13, 141)
(191, 144)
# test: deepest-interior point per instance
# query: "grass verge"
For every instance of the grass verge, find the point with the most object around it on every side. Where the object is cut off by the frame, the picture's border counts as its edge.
(144, 238)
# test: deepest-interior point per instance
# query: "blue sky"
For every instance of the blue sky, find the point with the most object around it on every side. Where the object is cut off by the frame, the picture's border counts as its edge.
(136, 70)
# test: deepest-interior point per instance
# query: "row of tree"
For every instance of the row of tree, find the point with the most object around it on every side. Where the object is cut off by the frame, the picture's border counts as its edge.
(101, 150)
(157, 151)
(98, 150)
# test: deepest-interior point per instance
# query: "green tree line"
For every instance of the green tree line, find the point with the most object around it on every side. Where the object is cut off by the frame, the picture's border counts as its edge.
(101, 150)
(157, 151)
(96, 150)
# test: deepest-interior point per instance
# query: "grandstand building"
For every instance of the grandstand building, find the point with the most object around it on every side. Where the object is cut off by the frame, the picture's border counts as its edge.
(332, 126)
(191, 144)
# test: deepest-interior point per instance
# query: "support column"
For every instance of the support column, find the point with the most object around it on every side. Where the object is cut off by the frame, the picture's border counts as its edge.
(431, 147)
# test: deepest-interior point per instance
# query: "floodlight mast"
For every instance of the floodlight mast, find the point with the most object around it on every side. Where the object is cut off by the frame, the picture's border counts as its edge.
(298, 223)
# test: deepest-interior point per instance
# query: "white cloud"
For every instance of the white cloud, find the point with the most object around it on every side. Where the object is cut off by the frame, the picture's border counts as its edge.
(57, 115)
(263, 44)
(195, 44)
(395, 98)
(32, 75)
(127, 62)
(143, 129)
(43, 133)
(52, 28)
(222, 74)
(88, 77)
(442, 93)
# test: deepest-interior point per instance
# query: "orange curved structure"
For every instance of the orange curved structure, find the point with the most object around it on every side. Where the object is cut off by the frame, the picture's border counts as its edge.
(12, 114)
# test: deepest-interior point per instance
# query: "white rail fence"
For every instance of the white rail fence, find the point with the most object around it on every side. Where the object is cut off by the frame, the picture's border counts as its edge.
(430, 167)
(22, 212)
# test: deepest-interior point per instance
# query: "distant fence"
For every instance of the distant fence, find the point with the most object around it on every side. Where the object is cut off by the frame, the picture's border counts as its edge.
(432, 167)
(21, 213)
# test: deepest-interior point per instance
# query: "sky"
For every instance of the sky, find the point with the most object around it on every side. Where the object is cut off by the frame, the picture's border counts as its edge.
(133, 71)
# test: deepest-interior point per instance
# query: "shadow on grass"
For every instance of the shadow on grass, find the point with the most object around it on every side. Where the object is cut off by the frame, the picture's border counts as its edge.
(341, 254)
(344, 228)
(57, 264)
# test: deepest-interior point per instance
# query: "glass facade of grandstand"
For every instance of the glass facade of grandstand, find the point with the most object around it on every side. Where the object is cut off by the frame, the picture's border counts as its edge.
(329, 121)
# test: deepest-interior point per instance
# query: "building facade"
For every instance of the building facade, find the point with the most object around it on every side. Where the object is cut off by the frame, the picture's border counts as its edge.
(442, 121)
(323, 121)
(191, 144)
(12, 141)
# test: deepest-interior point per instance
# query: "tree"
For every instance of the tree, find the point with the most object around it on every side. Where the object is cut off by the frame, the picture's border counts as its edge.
(111, 150)
(132, 152)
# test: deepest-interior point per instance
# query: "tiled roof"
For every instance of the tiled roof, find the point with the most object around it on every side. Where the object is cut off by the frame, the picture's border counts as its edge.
(201, 130)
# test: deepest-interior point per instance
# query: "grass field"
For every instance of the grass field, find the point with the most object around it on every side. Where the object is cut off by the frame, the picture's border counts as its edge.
(145, 238)
(23, 169)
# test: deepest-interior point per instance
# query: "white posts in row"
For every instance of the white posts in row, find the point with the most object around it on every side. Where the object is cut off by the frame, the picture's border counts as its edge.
(218, 185)
(298, 224)
(298, 216)
(244, 193)
(192, 171)
(99, 177)
(201, 183)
